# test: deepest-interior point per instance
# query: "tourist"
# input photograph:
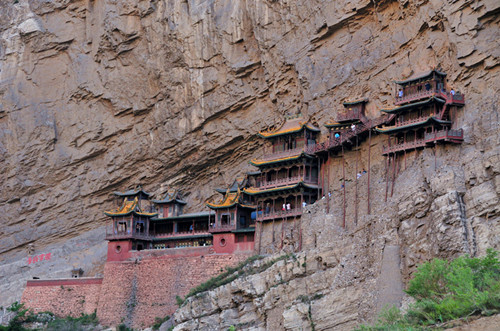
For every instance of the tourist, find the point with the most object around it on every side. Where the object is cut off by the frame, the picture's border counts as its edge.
(304, 204)
(337, 135)
(284, 207)
(353, 127)
(191, 228)
(288, 206)
(358, 176)
(400, 93)
(427, 86)
(452, 92)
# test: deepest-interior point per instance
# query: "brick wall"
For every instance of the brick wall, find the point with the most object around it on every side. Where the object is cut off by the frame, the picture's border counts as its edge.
(136, 292)
(63, 297)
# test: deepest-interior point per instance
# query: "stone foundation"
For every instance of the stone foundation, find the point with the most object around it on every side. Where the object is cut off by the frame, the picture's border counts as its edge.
(63, 297)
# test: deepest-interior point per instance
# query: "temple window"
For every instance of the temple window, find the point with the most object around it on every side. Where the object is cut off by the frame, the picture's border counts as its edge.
(225, 221)
(121, 227)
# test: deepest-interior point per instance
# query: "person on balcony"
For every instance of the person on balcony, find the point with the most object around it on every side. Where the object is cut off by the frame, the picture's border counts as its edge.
(427, 86)
(191, 228)
(337, 135)
(353, 127)
(288, 207)
(452, 92)
(400, 93)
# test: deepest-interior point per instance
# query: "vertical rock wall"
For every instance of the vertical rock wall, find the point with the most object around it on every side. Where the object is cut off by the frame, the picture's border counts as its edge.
(97, 96)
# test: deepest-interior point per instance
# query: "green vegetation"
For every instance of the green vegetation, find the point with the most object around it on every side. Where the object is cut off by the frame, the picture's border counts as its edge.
(231, 273)
(159, 322)
(446, 291)
(24, 317)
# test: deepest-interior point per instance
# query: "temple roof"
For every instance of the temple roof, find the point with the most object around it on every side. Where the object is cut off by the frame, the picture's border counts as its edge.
(290, 126)
(411, 105)
(332, 125)
(171, 196)
(256, 191)
(354, 102)
(394, 128)
(229, 200)
(259, 163)
(420, 76)
(129, 193)
(127, 208)
(237, 184)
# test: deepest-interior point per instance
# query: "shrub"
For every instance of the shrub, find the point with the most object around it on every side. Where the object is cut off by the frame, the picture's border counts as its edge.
(445, 291)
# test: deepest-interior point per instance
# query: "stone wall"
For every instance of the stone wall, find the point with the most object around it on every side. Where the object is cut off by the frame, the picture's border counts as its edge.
(63, 297)
(138, 291)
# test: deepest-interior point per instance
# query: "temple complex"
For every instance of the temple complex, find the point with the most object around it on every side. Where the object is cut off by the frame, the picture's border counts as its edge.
(424, 116)
(287, 178)
(260, 212)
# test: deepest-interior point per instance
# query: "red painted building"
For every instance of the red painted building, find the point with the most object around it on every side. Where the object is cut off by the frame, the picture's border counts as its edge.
(233, 227)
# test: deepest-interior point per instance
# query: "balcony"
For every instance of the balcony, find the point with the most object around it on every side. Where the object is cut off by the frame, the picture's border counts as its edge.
(421, 119)
(181, 234)
(124, 235)
(279, 214)
(349, 116)
(456, 136)
(282, 154)
(286, 181)
(404, 146)
(415, 96)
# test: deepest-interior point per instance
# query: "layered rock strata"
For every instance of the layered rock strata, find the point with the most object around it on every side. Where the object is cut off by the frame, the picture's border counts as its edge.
(97, 96)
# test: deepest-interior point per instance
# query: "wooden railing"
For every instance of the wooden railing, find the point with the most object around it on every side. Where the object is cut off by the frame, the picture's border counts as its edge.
(349, 116)
(445, 134)
(282, 154)
(412, 121)
(404, 146)
(122, 235)
(181, 234)
(415, 96)
(263, 216)
(225, 228)
(286, 181)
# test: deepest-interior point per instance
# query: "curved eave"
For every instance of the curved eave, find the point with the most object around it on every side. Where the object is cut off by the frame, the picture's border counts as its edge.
(354, 102)
(422, 76)
(129, 213)
(411, 105)
(340, 124)
(392, 129)
(181, 202)
(258, 163)
(278, 189)
(217, 206)
(267, 135)
(111, 214)
(131, 193)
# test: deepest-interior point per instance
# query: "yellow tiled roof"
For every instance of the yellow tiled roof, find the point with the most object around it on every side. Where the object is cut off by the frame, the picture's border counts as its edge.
(290, 126)
(126, 208)
(286, 158)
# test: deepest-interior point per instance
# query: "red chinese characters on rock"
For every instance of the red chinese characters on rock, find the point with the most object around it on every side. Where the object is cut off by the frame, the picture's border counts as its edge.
(38, 258)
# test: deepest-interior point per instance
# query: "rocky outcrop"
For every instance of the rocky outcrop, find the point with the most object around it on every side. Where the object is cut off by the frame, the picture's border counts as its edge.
(97, 96)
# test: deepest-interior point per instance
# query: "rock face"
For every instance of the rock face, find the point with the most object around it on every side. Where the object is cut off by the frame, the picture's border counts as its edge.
(97, 96)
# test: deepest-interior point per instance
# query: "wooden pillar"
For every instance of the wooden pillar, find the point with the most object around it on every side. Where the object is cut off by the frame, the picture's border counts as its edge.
(343, 179)
(369, 168)
(356, 185)
(393, 172)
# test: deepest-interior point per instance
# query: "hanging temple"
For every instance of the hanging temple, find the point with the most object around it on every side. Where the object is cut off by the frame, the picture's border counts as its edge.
(289, 176)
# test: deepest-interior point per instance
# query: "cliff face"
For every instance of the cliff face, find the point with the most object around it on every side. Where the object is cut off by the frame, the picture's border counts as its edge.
(98, 96)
